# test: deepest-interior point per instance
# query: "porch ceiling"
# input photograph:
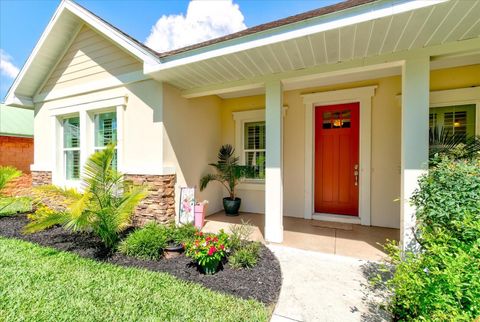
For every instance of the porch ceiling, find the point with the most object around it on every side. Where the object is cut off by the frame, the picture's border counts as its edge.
(446, 22)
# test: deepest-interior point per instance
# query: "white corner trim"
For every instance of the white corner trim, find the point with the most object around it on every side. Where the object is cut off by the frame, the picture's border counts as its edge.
(362, 95)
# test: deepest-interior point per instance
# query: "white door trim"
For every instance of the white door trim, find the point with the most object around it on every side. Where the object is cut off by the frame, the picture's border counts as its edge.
(362, 95)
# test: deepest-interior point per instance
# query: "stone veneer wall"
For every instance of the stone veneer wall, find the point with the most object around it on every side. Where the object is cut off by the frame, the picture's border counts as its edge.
(41, 178)
(159, 205)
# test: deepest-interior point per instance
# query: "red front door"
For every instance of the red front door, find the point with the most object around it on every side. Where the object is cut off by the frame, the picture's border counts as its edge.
(336, 159)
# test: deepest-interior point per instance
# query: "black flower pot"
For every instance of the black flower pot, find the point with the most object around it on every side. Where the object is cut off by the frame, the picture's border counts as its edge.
(173, 250)
(231, 206)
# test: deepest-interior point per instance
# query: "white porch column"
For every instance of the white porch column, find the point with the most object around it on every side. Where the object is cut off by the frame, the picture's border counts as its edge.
(414, 144)
(274, 160)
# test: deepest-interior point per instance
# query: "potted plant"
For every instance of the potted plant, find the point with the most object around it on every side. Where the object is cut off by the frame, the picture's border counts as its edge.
(228, 173)
(208, 250)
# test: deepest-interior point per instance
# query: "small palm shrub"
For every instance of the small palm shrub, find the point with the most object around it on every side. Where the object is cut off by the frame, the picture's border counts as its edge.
(245, 257)
(7, 174)
(146, 243)
(104, 208)
(441, 282)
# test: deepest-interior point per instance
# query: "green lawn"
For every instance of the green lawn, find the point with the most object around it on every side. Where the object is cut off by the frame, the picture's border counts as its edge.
(13, 205)
(43, 284)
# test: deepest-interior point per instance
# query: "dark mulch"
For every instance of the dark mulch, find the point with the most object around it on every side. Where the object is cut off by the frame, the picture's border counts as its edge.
(261, 283)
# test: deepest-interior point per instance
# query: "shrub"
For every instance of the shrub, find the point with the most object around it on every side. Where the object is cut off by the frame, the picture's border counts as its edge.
(239, 235)
(450, 192)
(104, 207)
(14, 205)
(181, 234)
(208, 250)
(145, 243)
(442, 281)
(245, 257)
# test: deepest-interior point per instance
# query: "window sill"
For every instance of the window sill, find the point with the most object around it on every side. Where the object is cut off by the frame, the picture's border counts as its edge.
(255, 185)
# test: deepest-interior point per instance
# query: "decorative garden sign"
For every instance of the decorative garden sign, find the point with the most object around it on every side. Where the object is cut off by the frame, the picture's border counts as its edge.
(186, 212)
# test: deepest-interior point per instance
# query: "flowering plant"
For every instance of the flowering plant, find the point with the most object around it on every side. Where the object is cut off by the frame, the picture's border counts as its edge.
(208, 250)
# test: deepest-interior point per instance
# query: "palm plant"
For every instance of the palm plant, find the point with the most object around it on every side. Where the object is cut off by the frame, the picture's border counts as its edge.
(7, 174)
(228, 171)
(457, 146)
(104, 208)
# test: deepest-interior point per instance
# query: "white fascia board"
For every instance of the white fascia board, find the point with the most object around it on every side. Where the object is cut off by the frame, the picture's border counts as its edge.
(111, 33)
(10, 97)
(380, 10)
(93, 21)
(19, 101)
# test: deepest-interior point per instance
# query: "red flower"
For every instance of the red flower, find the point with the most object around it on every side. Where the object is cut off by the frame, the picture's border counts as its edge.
(222, 247)
(208, 239)
(211, 251)
(215, 239)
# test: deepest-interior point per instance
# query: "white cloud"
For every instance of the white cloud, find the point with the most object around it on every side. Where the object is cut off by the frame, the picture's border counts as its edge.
(7, 68)
(204, 20)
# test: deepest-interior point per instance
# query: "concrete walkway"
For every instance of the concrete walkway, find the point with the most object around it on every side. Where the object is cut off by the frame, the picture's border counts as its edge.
(324, 287)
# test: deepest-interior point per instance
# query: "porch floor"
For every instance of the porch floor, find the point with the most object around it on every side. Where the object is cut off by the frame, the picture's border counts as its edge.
(332, 238)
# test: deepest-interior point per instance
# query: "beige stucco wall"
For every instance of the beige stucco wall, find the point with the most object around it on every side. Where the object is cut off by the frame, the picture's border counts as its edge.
(191, 140)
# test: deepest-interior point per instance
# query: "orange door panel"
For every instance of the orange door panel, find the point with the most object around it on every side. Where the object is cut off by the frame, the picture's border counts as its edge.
(336, 159)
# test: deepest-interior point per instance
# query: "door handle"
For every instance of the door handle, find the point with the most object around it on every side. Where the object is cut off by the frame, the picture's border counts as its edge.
(356, 173)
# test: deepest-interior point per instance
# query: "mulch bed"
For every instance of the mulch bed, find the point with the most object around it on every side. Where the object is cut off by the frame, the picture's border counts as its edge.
(261, 283)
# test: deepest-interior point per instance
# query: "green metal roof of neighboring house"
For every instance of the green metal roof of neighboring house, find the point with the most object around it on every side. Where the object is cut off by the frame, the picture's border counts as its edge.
(16, 121)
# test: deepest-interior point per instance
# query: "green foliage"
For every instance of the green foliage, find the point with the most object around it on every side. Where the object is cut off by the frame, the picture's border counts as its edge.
(7, 174)
(246, 256)
(146, 243)
(14, 205)
(228, 171)
(43, 284)
(239, 235)
(208, 250)
(455, 146)
(441, 282)
(181, 234)
(103, 208)
(450, 192)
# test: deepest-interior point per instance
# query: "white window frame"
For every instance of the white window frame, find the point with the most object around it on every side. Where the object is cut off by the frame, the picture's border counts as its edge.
(86, 111)
(71, 182)
(240, 118)
(456, 97)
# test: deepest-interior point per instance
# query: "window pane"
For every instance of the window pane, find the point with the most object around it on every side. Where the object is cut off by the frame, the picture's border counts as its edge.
(254, 135)
(336, 119)
(71, 132)
(105, 129)
(72, 164)
(257, 160)
(453, 120)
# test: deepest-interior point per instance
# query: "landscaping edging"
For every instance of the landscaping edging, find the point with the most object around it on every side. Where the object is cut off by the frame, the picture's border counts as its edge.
(261, 283)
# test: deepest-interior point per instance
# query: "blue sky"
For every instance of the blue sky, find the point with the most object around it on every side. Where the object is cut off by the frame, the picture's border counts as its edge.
(23, 21)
